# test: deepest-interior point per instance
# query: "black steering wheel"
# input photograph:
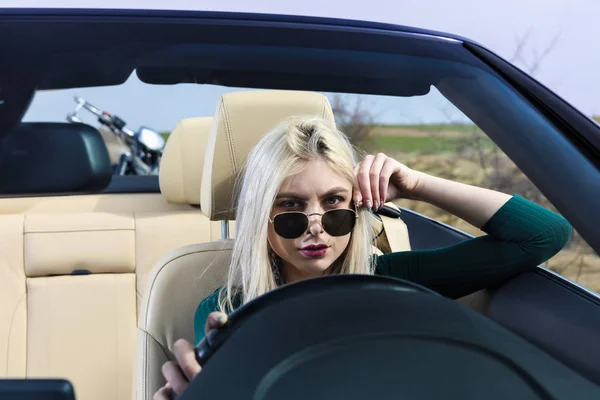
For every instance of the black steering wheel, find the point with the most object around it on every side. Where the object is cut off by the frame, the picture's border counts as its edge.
(360, 336)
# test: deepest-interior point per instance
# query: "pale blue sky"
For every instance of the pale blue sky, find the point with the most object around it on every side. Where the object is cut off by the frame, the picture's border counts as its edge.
(570, 69)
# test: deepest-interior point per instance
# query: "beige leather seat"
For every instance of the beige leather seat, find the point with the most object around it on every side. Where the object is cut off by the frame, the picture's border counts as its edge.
(185, 276)
(183, 161)
(56, 322)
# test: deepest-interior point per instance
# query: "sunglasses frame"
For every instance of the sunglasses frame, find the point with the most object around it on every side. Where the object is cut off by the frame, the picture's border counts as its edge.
(272, 220)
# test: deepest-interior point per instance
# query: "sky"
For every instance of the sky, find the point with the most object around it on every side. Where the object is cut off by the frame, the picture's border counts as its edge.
(569, 28)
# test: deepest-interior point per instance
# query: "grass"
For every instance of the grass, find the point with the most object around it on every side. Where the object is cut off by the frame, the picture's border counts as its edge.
(423, 144)
(411, 143)
(466, 128)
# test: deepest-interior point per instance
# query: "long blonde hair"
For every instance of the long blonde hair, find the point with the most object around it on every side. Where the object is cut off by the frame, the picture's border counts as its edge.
(280, 153)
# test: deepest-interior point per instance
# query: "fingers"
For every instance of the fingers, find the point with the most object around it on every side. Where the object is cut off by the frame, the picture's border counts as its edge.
(376, 182)
(186, 358)
(174, 376)
(384, 179)
(178, 374)
(164, 393)
(358, 200)
(363, 182)
(214, 320)
(372, 178)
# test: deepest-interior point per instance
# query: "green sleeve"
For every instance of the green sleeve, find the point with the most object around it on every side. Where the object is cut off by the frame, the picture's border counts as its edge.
(520, 236)
(206, 306)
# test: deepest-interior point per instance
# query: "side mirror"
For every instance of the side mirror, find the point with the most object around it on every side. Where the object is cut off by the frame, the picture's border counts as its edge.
(151, 139)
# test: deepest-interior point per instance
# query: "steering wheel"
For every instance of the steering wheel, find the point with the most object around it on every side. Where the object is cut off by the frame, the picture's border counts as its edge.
(361, 336)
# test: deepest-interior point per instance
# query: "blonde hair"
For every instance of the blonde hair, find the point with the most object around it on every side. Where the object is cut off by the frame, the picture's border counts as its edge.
(280, 153)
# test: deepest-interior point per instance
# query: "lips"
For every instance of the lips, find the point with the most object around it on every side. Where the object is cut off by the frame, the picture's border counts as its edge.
(314, 250)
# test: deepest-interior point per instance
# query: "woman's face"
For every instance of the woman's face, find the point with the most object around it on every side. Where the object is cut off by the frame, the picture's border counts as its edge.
(316, 189)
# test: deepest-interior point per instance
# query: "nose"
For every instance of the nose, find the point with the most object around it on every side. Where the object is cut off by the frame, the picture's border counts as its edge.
(315, 226)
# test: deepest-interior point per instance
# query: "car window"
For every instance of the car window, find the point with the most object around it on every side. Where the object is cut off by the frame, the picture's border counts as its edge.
(430, 134)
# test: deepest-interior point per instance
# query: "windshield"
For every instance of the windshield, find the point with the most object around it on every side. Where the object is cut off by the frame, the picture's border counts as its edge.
(447, 129)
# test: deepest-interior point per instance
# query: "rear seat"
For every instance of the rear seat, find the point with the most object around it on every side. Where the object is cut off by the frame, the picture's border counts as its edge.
(72, 268)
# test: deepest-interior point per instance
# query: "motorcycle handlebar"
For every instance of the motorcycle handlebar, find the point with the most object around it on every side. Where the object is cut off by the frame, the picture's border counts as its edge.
(81, 103)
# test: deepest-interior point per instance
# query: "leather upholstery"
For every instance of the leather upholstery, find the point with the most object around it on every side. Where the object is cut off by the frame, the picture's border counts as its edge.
(83, 327)
(178, 283)
(58, 244)
(241, 119)
(13, 305)
(183, 160)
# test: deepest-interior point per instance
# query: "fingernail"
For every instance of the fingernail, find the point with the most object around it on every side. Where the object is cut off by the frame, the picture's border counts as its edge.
(369, 204)
(376, 206)
(222, 319)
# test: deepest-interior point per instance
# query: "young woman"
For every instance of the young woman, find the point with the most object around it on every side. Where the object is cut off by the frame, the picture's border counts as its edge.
(306, 203)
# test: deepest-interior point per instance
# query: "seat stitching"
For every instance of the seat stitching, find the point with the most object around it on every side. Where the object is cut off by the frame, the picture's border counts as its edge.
(182, 175)
(230, 147)
(26, 305)
(135, 256)
(12, 318)
(82, 230)
(145, 367)
(114, 285)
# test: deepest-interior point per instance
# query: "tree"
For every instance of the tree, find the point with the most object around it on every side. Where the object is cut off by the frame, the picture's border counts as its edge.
(353, 116)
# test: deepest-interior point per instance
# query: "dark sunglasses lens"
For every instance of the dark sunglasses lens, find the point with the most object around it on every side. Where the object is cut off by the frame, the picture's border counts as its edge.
(290, 225)
(339, 222)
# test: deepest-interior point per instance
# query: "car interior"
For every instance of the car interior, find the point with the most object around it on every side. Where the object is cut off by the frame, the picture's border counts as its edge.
(97, 281)
(127, 271)
(85, 261)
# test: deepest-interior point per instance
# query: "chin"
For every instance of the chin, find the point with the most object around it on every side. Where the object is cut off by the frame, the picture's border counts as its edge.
(315, 267)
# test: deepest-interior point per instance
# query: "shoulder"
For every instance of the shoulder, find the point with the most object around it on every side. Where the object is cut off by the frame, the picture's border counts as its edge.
(209, 304)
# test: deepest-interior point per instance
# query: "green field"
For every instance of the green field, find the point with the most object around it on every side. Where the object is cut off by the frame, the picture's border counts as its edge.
(464, 128)
(411, 144)
(414, 138)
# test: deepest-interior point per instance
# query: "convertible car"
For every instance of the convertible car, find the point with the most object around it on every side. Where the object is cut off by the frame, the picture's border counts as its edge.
(101, 273)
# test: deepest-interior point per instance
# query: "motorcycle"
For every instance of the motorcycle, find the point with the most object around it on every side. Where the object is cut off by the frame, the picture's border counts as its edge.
(132, 153)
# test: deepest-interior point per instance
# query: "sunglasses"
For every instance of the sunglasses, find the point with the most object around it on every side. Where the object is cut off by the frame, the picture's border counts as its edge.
(291, 225)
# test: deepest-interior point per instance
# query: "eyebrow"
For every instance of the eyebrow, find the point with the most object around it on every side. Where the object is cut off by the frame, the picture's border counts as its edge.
(336, 190)
(292, 195)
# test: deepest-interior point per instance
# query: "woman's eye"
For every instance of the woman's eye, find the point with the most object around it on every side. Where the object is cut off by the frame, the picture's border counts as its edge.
(289, 204)
(334, 200)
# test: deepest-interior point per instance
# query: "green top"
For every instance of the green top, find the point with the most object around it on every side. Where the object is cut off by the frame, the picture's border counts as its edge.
(520, 236)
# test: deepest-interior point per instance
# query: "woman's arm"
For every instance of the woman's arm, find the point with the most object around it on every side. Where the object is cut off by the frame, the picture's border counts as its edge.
(521, 235)
(473, 204)
(381, 177)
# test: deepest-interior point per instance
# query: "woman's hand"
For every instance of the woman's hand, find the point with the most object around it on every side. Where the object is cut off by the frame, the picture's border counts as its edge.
(179, 374)
(378, 179)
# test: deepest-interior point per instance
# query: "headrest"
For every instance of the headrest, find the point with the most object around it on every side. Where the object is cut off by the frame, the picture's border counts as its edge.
(241, 119)
(53, 158)
(182, 161)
